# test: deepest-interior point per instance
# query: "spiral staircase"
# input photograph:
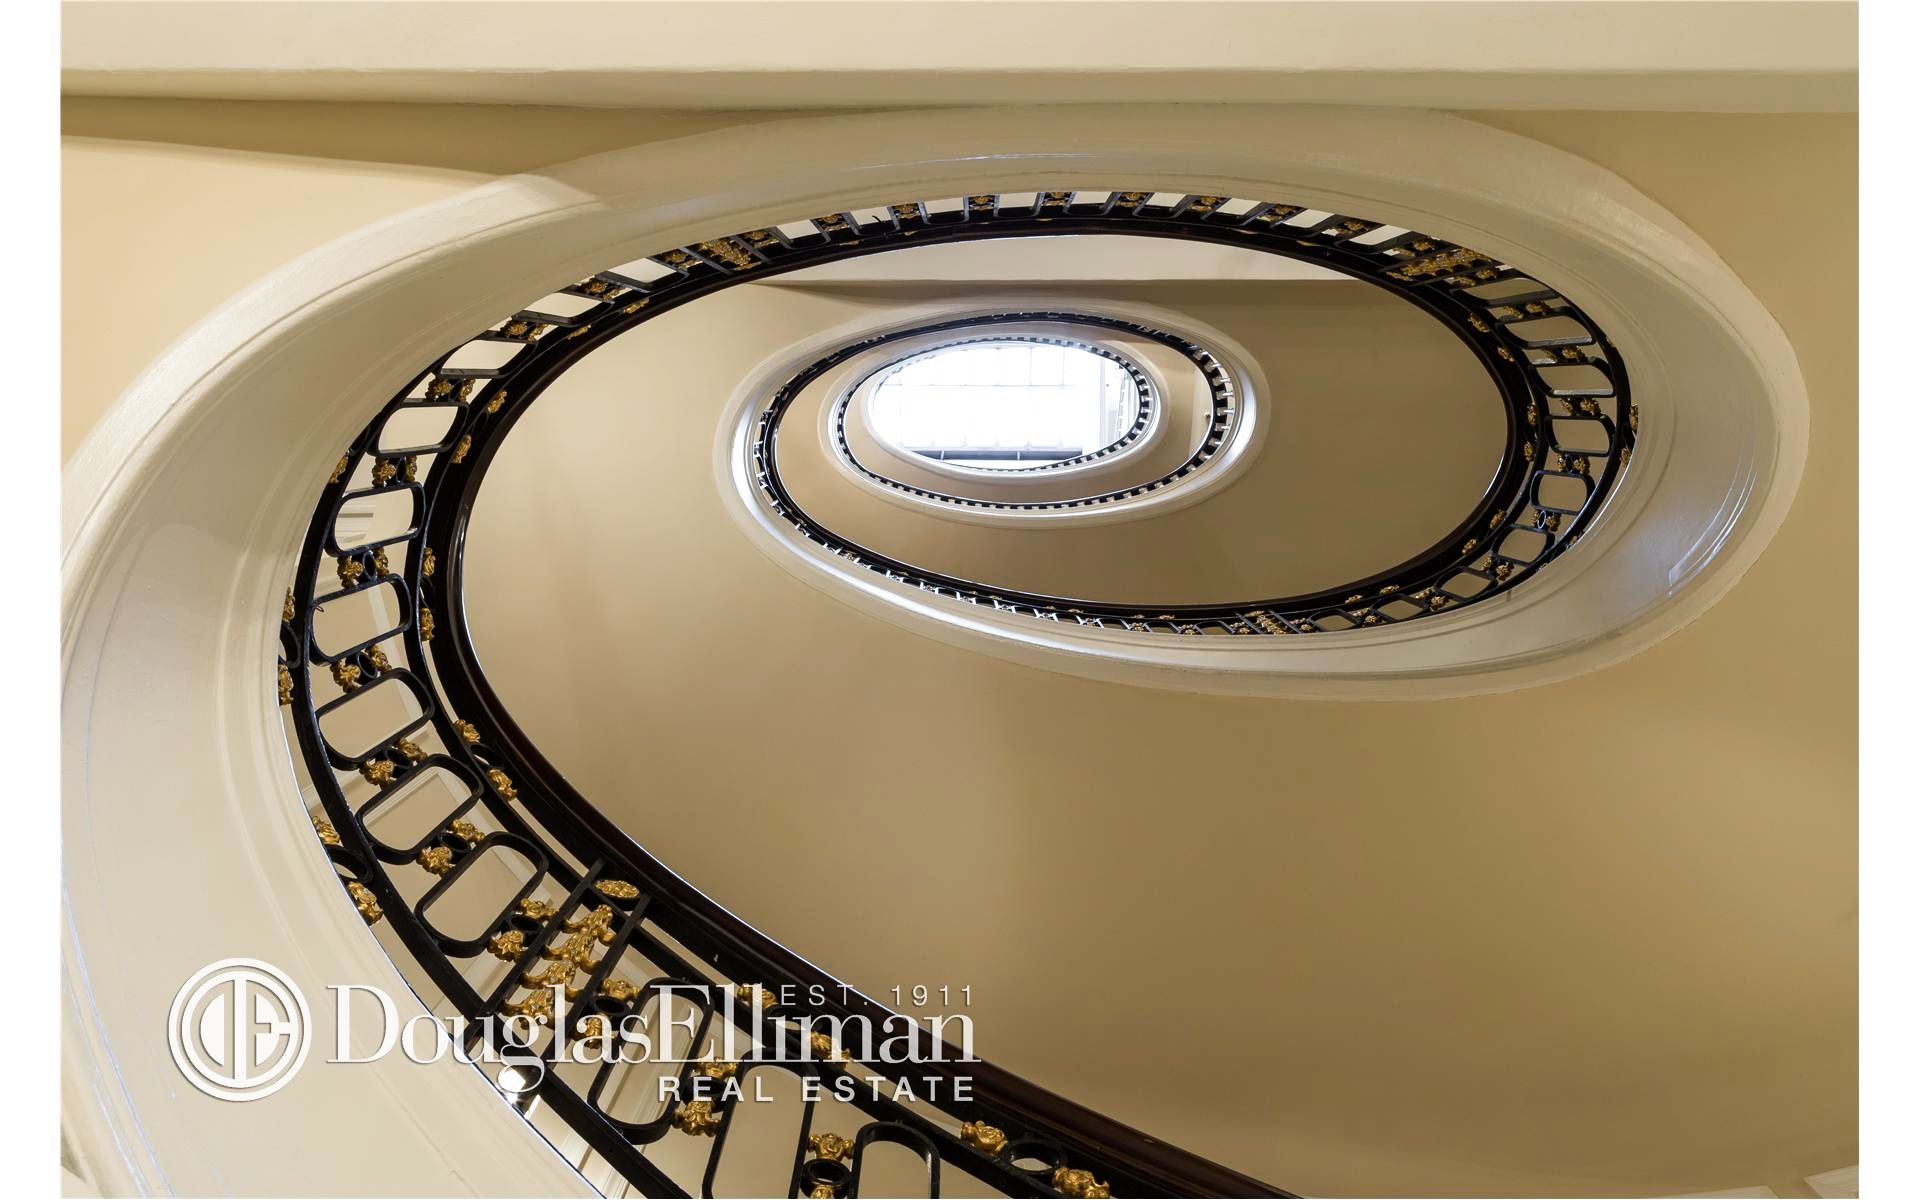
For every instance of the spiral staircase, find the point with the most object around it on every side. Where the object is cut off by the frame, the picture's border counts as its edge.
(415, 515)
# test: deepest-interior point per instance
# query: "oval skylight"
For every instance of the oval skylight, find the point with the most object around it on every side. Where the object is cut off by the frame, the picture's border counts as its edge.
(1006, 405)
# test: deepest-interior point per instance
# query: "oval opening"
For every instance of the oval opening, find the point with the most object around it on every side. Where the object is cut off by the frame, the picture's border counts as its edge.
(1006, 405)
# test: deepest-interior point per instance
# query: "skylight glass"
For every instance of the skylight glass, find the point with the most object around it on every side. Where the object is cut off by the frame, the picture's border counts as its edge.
(1005, 405)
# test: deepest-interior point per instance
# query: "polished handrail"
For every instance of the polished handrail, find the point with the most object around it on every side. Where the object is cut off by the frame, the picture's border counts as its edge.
(590, 884)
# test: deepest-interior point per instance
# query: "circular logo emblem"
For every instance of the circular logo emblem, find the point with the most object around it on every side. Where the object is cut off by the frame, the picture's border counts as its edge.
(239, 1029)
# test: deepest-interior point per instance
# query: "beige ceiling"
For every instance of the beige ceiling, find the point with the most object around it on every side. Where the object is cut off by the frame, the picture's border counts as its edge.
(1596, 938)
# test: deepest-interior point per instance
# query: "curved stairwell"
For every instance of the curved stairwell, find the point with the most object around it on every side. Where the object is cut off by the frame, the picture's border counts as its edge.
(500, 891)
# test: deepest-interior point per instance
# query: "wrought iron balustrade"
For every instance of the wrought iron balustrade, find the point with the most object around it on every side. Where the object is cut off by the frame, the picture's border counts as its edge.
(592, 912)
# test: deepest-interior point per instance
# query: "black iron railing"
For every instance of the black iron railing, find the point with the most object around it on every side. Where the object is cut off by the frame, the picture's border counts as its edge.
(569, 901)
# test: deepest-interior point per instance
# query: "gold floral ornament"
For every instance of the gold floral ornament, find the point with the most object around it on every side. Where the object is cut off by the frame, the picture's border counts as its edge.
(983, 1137)
(436, 860)
(824, 1047)
(493, 405)
(378, 772)
(365, 901)
(536, 1005)
(620, 989)
(508, 946)
(380, 566)
(286, 685)
(462, 447)
(717, 1068)
(572, 957)
(501, 783)
(1268, 624)
(347, 675)
(753, 993)
(467, 832)
(467, 732)
(831, 1146)
(349, 570)
(536, 908)
(730, 253)
(426, 624)
(339, 469)
(1446, 261)
(411, 750)
(383, 471)
(427, 563)
(618, 889)
(1070, 1182)
(329, 836)
(286, 610)
(377, 658)
(697, 1117)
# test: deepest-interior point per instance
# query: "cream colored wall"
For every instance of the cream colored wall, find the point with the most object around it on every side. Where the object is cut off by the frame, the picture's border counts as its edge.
(170, 207)
(1596, 937)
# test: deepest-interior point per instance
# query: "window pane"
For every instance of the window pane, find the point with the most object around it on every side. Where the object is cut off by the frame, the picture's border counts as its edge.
(1005, 404)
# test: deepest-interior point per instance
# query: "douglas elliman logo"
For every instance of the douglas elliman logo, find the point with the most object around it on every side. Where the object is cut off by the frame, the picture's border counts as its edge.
(239, 1029)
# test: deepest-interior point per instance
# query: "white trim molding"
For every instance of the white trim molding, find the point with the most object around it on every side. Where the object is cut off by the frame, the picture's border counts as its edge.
(1251, 418)
(186, 839)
